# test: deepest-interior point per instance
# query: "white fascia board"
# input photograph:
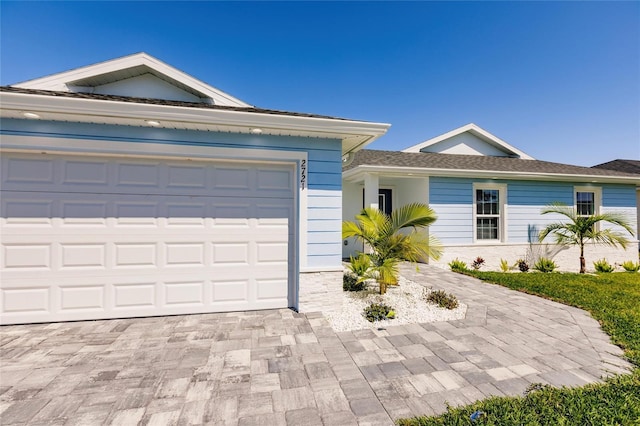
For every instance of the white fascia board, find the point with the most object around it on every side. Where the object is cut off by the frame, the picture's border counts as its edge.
(477, 131)
(90, 110)
(356, 174)
(60, 81)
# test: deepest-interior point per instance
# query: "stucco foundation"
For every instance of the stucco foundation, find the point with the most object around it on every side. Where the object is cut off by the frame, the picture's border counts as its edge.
(567, 258)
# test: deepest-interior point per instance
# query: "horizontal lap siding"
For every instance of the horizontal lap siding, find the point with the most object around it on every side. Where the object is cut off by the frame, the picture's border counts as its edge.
(526, 199)
(452, 200)
(324, 169)
(621, 199)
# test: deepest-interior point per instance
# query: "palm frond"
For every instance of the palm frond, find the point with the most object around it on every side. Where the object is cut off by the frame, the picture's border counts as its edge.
(413, 215)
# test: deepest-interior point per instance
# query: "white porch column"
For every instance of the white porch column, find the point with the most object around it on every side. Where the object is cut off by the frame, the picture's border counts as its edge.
(371, 185)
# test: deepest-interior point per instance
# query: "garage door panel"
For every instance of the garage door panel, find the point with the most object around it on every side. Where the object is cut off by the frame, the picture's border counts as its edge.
(24, 210)
(145, 176)
(26, 257)
(82, 298)
(140, 296)
(28, 300)
(85, 255)
(27, 170)
(184, 293)
(84, 172)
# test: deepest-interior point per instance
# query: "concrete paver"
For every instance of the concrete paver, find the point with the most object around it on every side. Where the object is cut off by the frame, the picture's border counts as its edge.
(280, 367)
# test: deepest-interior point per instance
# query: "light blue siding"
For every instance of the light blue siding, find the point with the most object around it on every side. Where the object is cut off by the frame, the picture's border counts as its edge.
(618, 195)
(452, 199)
(525, 201)
(324, 176)
(618, 199)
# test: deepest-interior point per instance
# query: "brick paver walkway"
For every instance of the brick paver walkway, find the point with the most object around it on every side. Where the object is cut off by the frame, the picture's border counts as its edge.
(283, 368)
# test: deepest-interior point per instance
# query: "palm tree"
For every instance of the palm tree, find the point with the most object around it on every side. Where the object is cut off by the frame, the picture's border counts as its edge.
(579, 230)
(388, 245)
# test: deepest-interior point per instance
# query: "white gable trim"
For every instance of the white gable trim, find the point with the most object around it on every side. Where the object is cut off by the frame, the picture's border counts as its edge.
(66, 81)
(479, 133)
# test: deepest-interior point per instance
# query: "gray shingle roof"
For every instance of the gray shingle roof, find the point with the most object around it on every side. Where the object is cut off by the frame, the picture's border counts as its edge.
(427, 160)
(627, 166)
(162, 102)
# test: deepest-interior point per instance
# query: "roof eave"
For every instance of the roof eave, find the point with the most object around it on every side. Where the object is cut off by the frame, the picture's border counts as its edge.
(357, 173)
(353, 134)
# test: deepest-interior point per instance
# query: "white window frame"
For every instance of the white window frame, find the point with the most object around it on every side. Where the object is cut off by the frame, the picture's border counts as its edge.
(597, 199)
(502, 216)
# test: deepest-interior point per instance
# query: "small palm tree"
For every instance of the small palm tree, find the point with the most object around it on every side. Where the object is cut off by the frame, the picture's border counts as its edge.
(579, 230)
(388, 245)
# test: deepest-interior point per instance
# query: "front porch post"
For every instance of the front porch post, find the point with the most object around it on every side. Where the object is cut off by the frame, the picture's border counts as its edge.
(371, 185)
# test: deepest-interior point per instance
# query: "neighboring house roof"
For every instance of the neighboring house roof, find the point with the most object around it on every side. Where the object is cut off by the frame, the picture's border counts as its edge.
(139, 90)
(627, 166)
(453, 142)
(435, 164)
(100, 77)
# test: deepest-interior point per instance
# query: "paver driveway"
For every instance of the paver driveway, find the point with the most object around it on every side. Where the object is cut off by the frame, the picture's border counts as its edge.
(284, 368)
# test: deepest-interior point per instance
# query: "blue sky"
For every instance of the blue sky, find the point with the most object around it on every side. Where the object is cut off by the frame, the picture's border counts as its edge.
(559, 80)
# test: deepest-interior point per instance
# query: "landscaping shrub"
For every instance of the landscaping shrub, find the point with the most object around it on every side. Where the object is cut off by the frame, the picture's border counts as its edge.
(442, 299)
(544, 264)
(458, 265)
(504, 265)
(350, 282)
(631, 266)
(603, 266)
(522, 265)
(360, 265)
(477, 263)
(378, 312)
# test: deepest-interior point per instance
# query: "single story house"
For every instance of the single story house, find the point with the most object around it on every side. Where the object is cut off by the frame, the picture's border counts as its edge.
(627, 166)
(488, 196)
(130, 188)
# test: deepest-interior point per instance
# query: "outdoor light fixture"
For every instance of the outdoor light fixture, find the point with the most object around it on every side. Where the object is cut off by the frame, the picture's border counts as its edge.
(30, 115)
(256, 131)
(153, 123)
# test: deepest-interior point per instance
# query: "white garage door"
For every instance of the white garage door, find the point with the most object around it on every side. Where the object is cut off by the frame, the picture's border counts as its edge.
(87, 238)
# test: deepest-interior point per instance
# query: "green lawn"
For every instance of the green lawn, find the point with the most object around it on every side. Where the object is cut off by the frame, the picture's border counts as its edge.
(614, 300)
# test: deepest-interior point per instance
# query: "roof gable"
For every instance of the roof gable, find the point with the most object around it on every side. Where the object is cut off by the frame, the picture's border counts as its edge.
(139, 75)
(469, 140)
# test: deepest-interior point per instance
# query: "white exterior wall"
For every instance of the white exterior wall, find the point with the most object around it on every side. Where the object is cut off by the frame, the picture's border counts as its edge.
(465, 144)
(146, 86)
(403, 191)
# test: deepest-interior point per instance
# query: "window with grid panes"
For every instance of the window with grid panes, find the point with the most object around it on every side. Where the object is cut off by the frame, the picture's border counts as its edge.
(487, 214)
(585, 203)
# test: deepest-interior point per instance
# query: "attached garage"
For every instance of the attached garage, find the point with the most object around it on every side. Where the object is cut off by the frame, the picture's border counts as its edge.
(179, 200)
(100, 237)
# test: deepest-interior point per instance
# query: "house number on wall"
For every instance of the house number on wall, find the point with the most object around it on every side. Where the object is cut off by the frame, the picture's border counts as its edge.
(303, 174)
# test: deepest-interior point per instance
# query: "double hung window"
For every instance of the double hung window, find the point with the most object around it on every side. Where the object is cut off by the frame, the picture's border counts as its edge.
(489, 212)
(587, 201)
